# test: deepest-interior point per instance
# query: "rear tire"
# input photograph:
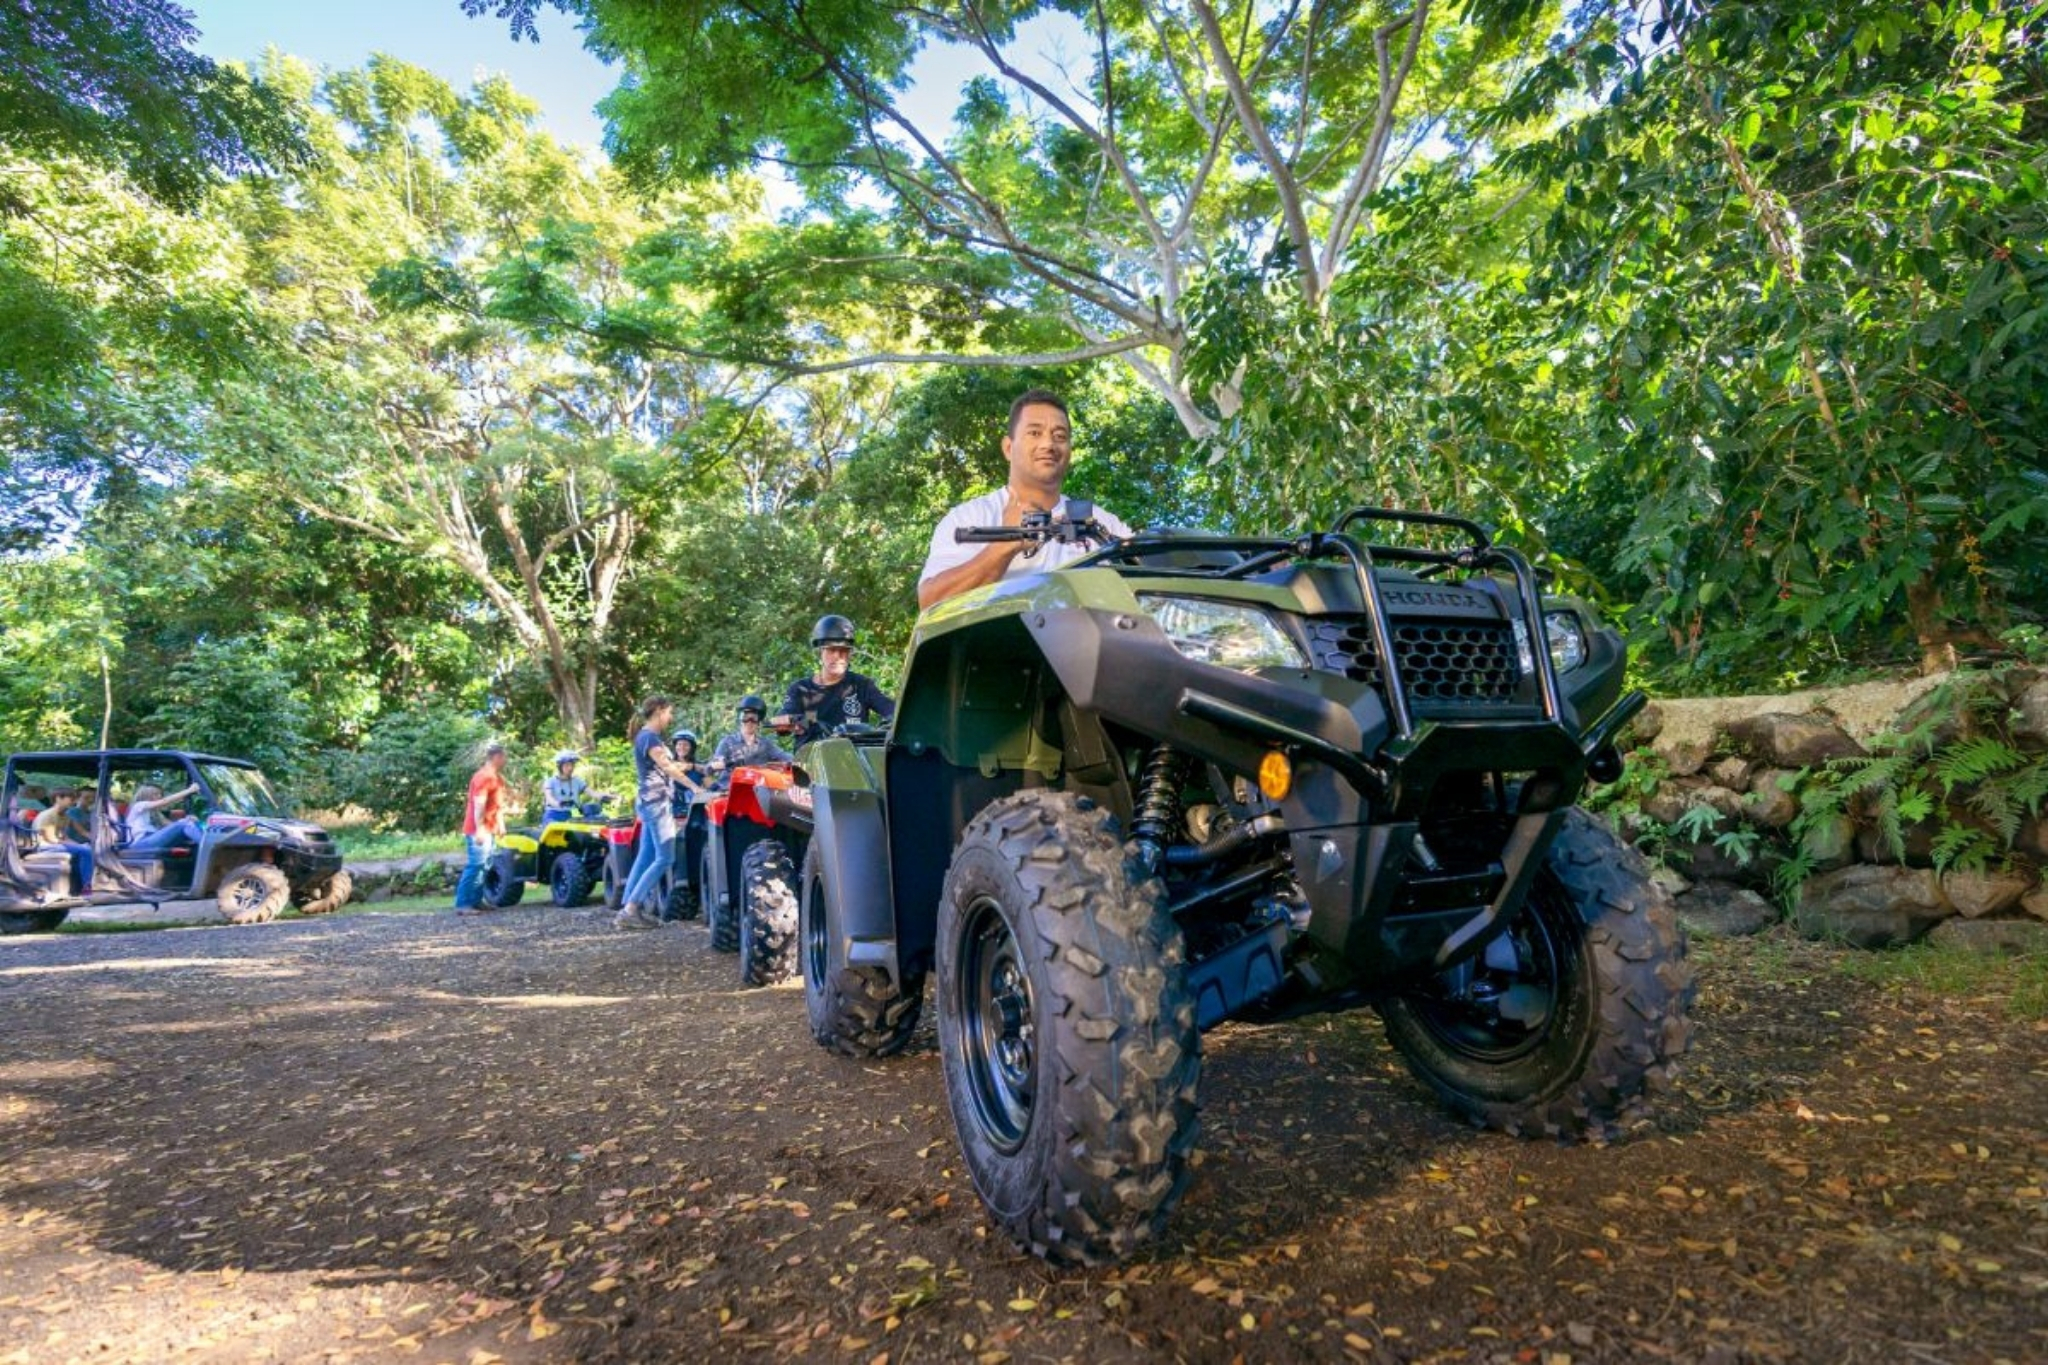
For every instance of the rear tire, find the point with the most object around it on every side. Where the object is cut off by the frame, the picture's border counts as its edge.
(854, 1011)
(503, 886)
(1572, 1015)
(569, 880)
(1066, 1030)
(253, 893)
(330, 895)
(682, 897)
(31, 921)
(767, 915)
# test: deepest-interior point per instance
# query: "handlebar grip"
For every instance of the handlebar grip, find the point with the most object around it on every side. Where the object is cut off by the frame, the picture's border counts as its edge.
(966, 535)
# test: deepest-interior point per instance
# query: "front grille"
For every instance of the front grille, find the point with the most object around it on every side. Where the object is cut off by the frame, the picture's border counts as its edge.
(1441, 661)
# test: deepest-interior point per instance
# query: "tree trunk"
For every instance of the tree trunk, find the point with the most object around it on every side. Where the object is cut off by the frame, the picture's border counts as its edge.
(1930, 626)
(574, 704)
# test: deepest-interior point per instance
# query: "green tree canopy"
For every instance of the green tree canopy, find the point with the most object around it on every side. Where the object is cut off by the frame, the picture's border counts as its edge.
(1070, 205)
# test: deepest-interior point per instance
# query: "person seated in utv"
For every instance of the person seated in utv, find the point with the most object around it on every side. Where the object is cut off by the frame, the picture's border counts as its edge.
(54, 829)
(748, 747)
(30, 802)
(562, 794)
(78, 821)
(834, 696)
(143, 831)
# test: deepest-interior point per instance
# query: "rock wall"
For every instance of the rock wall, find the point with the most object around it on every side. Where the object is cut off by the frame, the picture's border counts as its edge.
(1742, 757)
(427, 875)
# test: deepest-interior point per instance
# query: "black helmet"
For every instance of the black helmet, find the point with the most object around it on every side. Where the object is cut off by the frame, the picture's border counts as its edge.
(832, 630)
(750, 702)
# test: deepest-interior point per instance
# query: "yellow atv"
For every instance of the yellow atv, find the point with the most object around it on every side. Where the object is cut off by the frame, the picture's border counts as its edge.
(568, 852)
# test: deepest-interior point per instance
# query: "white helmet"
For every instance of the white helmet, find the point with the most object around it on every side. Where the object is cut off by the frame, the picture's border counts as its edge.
(567, 756)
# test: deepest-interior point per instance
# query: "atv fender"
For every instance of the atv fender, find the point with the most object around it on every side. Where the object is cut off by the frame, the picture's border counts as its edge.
(850, 834)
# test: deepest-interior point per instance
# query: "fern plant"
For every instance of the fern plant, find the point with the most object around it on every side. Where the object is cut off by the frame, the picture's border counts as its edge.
(1956, 766)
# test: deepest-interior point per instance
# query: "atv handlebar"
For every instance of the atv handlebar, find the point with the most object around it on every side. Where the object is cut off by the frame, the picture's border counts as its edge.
(1077, 527)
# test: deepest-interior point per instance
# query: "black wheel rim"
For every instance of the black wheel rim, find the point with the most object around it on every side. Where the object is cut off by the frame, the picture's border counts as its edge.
(1472, 1021)
(997, 1026)
(817, 935)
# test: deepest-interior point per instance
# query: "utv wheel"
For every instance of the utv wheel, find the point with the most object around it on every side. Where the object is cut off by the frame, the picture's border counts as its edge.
(253, 893)
(767, 915)
(331, 894)
(31, 921)
(1568, 1018)
(1066, 1030)
(503, 886)
(854, 1011)
(720, 912)
(613, 889)
(569, 880)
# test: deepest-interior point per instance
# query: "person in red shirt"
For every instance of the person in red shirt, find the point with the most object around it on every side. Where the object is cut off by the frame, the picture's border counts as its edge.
(483, 820)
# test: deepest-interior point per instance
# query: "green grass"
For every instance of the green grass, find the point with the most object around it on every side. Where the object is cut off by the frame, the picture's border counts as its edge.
(2018, 981)
(361, 844)
(133, 926)
(2017, 985)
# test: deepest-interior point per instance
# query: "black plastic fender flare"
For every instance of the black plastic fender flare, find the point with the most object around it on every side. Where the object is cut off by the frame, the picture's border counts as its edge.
(851, 836)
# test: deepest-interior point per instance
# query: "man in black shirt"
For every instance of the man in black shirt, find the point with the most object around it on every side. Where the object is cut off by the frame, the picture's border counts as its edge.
(834, 695)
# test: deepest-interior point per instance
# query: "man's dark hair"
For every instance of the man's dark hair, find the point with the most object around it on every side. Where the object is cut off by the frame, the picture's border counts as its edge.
(1033, 396)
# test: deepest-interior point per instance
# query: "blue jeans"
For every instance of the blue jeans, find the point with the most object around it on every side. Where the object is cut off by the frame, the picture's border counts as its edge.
(185, 831)
(469, 887)
(81, 860)
(657, 849)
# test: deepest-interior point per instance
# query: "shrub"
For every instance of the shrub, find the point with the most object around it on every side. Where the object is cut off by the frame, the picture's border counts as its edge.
(228, 697)
(415, 766)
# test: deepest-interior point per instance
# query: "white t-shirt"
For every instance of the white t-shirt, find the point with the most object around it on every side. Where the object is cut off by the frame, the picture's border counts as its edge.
(987, 510)
(142, 818)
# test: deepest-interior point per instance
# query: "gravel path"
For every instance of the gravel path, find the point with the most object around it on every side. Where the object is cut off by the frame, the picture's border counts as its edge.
(527, 1138)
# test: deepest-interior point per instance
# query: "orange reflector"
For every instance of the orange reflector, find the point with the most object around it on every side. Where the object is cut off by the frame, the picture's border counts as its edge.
(1276, 776)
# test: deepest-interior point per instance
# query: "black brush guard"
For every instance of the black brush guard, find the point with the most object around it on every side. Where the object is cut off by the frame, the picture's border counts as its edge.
(1409, 918)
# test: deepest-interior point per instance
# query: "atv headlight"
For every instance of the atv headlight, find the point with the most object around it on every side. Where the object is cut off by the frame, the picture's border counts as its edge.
(1567, 639)
(1223, 633)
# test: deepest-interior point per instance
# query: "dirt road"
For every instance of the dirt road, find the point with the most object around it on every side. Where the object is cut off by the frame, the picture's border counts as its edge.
(528, 1138)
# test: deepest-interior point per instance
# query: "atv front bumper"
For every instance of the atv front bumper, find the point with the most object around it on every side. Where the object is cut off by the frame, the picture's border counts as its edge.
(1360, 794)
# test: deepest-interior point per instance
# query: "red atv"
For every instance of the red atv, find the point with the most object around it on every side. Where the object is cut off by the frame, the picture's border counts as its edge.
(755, 836)
(681, 895)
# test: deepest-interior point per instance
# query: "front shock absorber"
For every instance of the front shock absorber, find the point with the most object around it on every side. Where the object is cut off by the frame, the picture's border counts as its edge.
(1158, 812)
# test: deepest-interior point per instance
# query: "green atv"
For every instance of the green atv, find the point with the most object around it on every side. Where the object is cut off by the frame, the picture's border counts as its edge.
(1191, 778)
(569, 853)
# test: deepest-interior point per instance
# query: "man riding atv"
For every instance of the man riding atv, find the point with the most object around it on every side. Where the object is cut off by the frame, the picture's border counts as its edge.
(1157, 782)
(1039, 446)
(834, 696)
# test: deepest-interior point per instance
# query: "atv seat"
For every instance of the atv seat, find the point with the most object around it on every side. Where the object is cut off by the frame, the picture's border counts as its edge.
(48, 870)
